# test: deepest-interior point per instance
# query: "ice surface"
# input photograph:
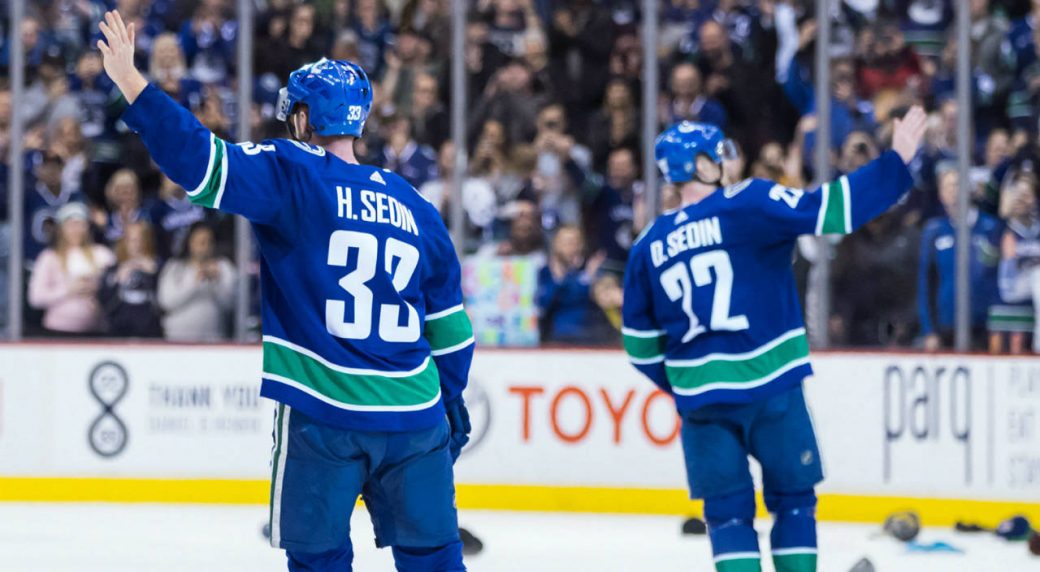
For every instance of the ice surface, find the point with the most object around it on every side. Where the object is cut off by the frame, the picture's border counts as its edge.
(178, 538)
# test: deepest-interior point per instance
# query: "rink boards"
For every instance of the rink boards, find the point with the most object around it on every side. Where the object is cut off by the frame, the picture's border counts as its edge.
(569, 430)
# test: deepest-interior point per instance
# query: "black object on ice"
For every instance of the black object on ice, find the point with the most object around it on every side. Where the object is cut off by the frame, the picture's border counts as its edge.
(903, 525)
(864, 565)
(470, 544)
(695, 526)
(1034, 543)
(962, 526)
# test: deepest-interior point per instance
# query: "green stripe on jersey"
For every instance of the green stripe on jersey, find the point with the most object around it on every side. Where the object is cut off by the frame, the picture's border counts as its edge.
(834, 219)
(691, 377)
(803, 562)
(640, 347)
(448, 330)
(211, 188)
(349, 390)
(738, 565)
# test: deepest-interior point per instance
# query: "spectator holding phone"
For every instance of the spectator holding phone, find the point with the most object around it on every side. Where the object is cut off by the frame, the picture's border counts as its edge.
(64, 281)
(197, 290)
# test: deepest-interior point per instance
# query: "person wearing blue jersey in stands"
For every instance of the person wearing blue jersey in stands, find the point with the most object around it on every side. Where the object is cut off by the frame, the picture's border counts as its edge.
(366, 344)
(711, 316)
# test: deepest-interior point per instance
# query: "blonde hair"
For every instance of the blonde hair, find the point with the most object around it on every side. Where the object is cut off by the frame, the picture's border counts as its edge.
(147, 239)
(61, 248)
(118, 177)
(161, 74)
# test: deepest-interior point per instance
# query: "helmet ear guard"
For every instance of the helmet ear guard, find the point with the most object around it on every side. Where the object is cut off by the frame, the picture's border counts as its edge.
(284, 105)
(725, 151)
(728, 150)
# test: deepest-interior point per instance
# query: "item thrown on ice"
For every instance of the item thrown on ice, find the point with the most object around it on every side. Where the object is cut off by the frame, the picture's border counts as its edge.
(936, 546)
(904, 525)
(470, 544)
(864, 565)
(1034, 543)
(1014, 528)
(694, 526)
(962, 526)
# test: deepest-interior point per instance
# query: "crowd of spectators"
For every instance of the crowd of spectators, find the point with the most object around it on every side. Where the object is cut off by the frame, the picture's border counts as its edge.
(553, 130)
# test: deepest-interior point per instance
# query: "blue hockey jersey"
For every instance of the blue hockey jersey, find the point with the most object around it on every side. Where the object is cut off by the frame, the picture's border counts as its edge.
(711, 311)
(361, 296)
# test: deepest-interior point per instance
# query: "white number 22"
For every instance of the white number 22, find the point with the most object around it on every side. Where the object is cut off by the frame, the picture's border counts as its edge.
(678, 286)
(786, 194)
(356, 284)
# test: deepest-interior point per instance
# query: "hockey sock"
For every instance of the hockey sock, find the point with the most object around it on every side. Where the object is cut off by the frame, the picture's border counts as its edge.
(338, 560)
(793, 537)
(447, 558)
(731, 529)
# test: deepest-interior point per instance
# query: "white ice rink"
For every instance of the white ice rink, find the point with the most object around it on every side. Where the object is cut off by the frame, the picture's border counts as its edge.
(168, 538)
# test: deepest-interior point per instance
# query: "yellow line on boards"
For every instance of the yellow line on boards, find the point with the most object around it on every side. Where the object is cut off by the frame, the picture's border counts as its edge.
(832, 507)
(62, 489)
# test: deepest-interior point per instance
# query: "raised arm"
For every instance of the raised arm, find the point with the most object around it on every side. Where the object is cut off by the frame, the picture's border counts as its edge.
(844, 205)
(248, 179)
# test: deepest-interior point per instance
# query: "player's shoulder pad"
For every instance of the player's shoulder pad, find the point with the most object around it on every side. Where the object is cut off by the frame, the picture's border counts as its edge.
(399, 183)
(748, 188)
(652, 227)
(283, 150)
(296, 150)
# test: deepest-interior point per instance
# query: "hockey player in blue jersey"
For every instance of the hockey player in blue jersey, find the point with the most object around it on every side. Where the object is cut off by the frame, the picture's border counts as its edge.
(366, 346)
(711, 315)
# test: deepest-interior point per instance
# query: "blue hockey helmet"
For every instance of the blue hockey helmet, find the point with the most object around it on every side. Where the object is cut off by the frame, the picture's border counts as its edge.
(676, 149)
(338, 95)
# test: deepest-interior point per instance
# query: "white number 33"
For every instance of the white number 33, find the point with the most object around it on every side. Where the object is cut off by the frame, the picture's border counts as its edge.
(255, 148)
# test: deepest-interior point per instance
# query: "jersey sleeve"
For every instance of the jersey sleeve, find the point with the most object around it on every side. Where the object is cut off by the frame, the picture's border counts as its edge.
(840, 206)
(249, 179)
(643, 339)
(447, 328)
